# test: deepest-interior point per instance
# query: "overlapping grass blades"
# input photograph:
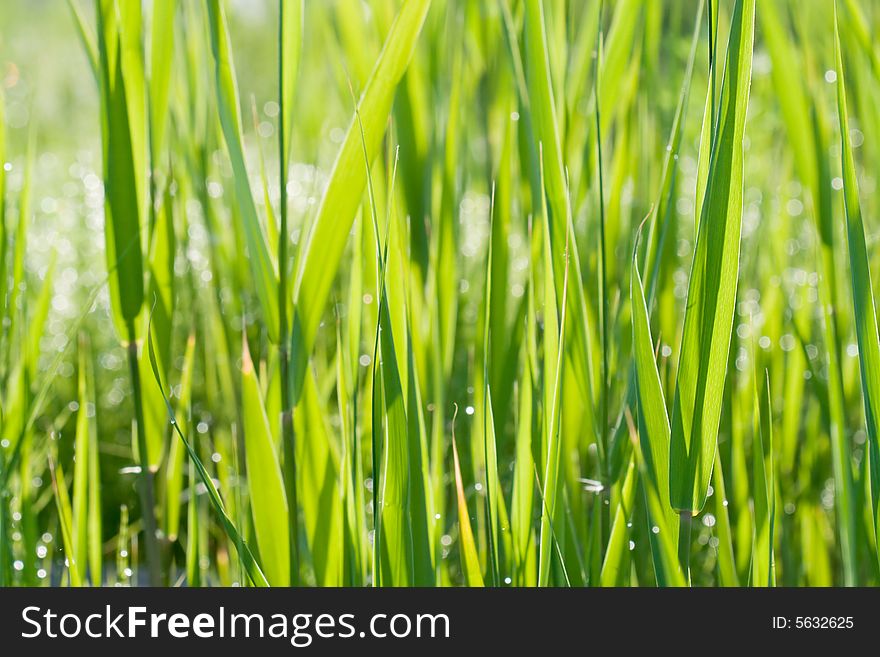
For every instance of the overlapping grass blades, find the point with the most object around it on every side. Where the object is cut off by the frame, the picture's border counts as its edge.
(265, 484)
(712, 288)
(326, 241)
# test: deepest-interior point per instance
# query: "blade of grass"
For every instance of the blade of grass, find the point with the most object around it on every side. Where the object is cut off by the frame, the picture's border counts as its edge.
(265, 275)
(654, 432)
(763, 567)
(862, 290)
(81, 466)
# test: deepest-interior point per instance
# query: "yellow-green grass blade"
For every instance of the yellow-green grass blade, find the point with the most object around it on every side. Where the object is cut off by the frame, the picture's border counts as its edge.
(163, 288)
(727, 575)
(265, 275)
(317, 460)
(470, 560)
(554, 354)
(350, 475)
(86, 36)
(290, 34)
(864, 311)
(860, 28)
(505, 336)
(420, 501)
(37, 318)
(664, 542)
(163, 296)
(122, 209)
(764, 490)
(161, 68)
(342, 197)
(793, 103)
(490, 448)
(122, 547)
(15, 292)
(494, 499)
(396, 547)
(265, 485)
(522, 532)
(654, 433)
(704, 159)
(95, 509)
(65, 520)
(615, 58)
(712, 288)
(131, 60)
(81, 465)
(175, 465)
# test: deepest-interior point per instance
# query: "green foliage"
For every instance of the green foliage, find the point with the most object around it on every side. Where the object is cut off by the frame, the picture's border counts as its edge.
(522, 297)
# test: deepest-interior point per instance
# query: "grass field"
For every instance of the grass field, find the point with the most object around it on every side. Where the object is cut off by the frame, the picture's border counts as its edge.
(439, 293)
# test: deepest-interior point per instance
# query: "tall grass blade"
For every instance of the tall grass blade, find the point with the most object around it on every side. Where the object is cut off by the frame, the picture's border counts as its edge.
(326, 242)
(862, 290)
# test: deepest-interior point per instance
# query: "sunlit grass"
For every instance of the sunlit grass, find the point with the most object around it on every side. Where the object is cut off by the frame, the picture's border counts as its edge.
(439, 293)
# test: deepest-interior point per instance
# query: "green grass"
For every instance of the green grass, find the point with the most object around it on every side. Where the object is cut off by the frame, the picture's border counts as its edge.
(439, 293)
